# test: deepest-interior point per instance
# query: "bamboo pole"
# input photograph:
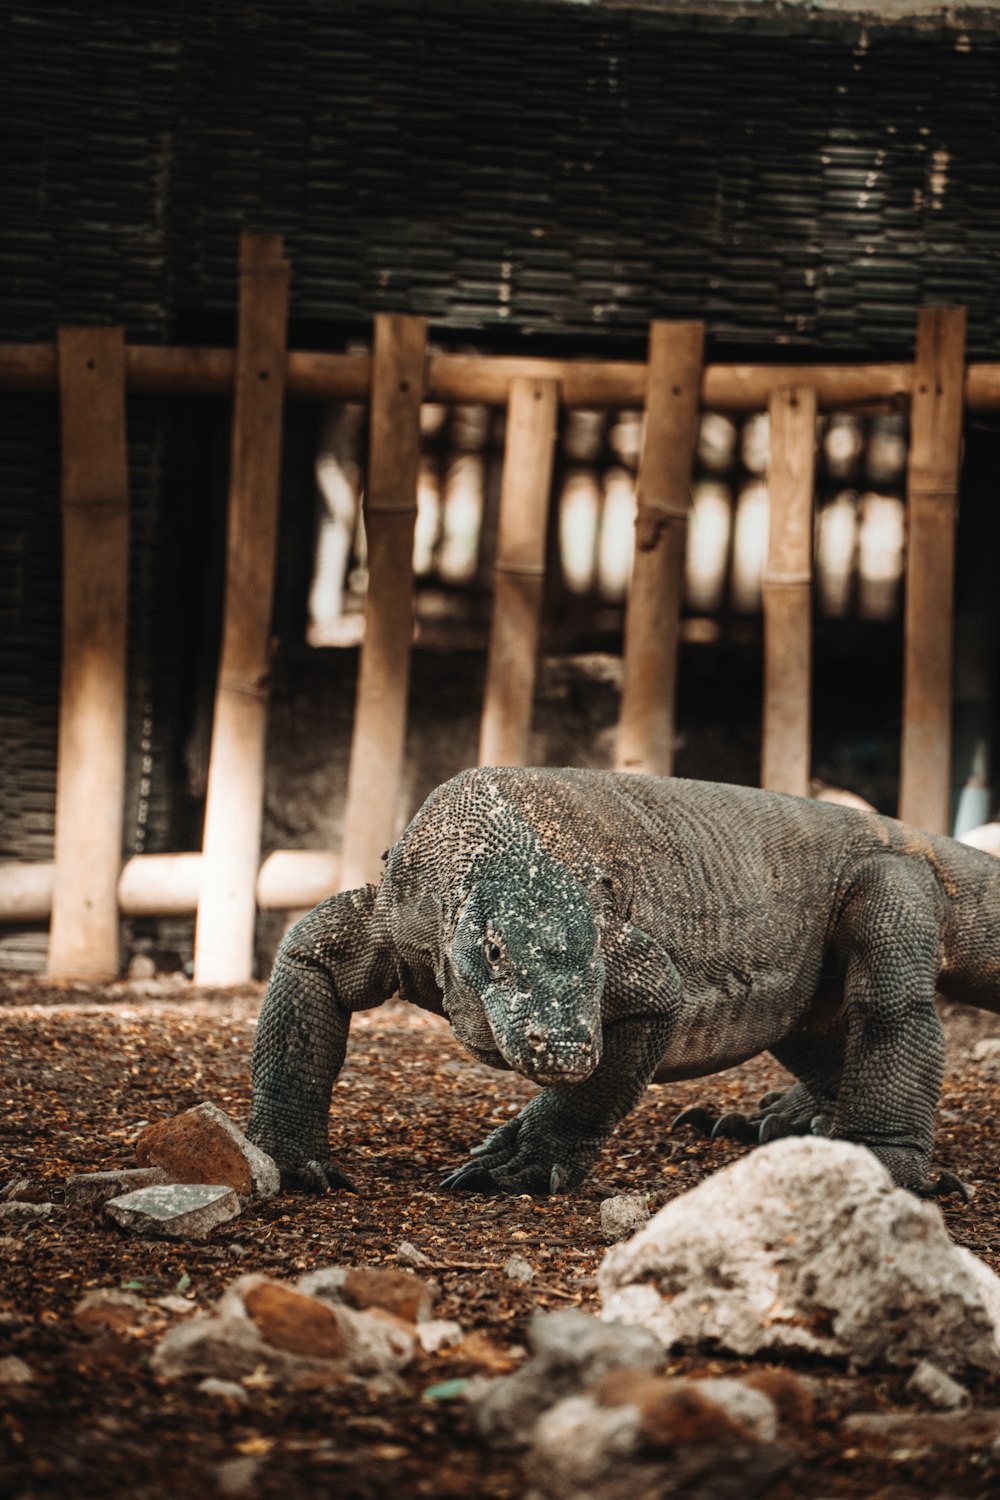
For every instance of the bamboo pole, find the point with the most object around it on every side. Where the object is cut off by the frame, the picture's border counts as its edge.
(519, 573)
(224, 929)
(321, 376)
(390, 510)
(90, 775)
(931, 501)
(663, 498)
(168, 885)
(787, 594)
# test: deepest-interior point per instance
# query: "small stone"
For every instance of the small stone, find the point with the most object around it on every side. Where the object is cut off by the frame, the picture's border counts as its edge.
(296, 1323)
(408, 1255)
(517, 1268)
(108, 1309)
(574, 1340)
(938, 1388)
(203, 1145)
(571, 1349)
(923, 1430)
(397, 1292)
(142, 966)
(15, 1214)
(689, 1411)
(172, 1303)
(987, 1055)
(237, 1476)
(14, 1371)
(177, 1211)
(16, 1188)
(437, 1334)
(91, 1190)
(227, 1390)
(792, 1399)
(622, 1216)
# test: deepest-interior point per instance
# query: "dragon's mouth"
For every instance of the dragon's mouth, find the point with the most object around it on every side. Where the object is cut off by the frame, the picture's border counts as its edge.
(559, 1076)
(548, 1061)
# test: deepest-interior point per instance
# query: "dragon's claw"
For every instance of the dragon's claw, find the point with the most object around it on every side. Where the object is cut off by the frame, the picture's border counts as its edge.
(471, 1178)
(947, 1186)
(735, 1127)
(697, 1117)
(315, 1177)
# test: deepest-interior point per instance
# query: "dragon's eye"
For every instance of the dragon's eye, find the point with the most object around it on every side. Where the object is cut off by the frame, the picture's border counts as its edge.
(493, 951)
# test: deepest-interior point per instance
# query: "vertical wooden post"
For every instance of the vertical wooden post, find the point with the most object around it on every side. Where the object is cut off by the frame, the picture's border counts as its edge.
(519, 572)
(787, 594)
(390, 509)
(652, 621)
(931, 509)
(90, 776)
(224, 929)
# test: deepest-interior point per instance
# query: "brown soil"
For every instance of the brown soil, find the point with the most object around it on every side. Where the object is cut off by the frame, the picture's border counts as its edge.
(83, 1069)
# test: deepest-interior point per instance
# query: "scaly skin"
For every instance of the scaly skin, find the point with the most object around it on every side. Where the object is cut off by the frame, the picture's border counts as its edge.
(598, 932)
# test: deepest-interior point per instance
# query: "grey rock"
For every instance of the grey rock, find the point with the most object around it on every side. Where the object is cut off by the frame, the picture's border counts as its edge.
(237, 1476)
(937, 1387)
(577, 1444)
(326, 1282)
(570, 1350)
(517, 1268)
(14, 1371)
(16, 1215)
(175, 1211)
(805, 1244)
(15, 1188)
(921, 1431)
(582, 1447)
(746, 1406)
(91, 1190)
(622, 1216)
(409, 1255)
(439, 1333)
(107, 1306)
(576, 1341)
(987, 1055)
(228, 1344)
(227, 1390)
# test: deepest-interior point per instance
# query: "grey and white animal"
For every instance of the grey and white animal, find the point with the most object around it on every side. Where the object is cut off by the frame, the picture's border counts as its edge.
(598, 932)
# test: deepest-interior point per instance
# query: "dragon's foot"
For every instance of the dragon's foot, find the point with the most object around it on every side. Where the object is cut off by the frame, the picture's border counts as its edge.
(793, 1111)
(314, 1177)
(528, 1154)
(908, 1168)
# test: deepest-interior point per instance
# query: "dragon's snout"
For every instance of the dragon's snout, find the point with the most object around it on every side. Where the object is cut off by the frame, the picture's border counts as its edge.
(557, 1054)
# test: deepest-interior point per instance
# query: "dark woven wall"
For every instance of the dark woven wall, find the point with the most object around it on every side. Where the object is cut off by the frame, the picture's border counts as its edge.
(540, 174)
(536, 166)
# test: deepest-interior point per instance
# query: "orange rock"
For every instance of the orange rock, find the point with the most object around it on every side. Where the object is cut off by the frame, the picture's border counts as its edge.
(670, 1411)
(793, 1402)
(294, 1322)
(193, 1148)
(398, 1292)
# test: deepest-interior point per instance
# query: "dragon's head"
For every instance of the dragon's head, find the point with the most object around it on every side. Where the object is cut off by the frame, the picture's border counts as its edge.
(524, 953)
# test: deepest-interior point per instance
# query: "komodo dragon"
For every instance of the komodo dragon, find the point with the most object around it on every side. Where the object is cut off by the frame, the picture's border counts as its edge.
(597, 932)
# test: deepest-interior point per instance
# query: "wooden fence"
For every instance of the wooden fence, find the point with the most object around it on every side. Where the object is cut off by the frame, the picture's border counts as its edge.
(86, 888)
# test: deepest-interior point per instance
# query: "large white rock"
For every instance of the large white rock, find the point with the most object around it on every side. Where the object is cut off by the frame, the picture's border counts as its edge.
(806, 1244)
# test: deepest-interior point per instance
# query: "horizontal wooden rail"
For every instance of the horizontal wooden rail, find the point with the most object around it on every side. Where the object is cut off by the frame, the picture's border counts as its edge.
(168, 885)
(153, 369)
